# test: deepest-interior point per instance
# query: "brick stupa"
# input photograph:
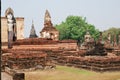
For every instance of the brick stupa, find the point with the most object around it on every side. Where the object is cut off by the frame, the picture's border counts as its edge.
(49, 31)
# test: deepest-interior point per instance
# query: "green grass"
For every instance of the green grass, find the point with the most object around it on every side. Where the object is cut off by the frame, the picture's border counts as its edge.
(74, 70)
(70, 73)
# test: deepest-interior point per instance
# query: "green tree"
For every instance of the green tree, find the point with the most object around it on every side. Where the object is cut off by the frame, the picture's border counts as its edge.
(75, 27)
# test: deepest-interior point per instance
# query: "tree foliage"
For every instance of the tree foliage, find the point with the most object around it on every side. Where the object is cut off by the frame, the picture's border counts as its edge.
(75, 27)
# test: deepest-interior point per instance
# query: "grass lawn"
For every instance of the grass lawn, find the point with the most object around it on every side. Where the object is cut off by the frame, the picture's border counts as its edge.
(70, 73)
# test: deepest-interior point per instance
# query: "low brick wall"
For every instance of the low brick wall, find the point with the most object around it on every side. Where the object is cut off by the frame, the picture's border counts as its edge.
(95, 63)
(34, 41)
(26, 60)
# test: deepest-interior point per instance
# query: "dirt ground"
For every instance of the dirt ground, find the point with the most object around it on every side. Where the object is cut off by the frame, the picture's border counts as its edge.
(5, 76)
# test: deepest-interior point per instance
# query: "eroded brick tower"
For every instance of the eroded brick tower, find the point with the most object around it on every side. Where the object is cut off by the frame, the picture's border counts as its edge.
(49, 31)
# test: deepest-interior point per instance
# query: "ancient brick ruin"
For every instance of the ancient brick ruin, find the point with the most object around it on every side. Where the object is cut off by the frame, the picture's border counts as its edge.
(48, 51)
(39, 53)
(25, 59)
(49, 31)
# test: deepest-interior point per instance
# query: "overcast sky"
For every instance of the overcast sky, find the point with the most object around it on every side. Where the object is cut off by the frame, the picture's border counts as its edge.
(101, 13)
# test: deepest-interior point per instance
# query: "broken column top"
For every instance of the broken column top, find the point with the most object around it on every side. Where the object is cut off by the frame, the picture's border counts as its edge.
(109, 36)
(87, 37)
(119, 38)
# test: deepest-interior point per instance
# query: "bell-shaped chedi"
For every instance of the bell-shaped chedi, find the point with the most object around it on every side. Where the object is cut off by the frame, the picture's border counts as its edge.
(49, 31)
(33, 32)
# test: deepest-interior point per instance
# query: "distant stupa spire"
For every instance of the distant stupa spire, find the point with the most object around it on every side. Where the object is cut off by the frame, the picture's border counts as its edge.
(33, 25)
(32, 31)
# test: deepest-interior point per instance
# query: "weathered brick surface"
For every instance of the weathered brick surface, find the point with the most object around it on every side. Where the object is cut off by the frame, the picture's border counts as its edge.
(20, 28)
(39, 41)
(25, 59)
(34, 41)
(96, 63)
(92, 63)
(63, 53)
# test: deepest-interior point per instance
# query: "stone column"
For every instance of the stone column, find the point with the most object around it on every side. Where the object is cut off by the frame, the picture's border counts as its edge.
(114, 41)
(109, 40)
(119, 40)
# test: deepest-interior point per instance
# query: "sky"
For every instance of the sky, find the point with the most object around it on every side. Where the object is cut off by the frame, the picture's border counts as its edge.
(103, 14)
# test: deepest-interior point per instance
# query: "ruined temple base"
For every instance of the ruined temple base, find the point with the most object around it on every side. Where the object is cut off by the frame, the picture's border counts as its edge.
(61, 53)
